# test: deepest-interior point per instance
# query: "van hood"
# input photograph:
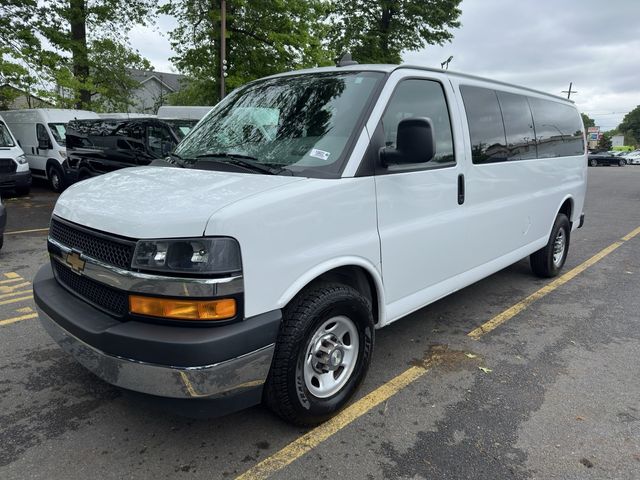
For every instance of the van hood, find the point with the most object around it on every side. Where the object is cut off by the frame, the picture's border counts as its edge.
(159, 202)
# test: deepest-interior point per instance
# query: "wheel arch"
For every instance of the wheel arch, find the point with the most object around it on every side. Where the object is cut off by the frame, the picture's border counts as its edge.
(353, 271)
(566, 207)
(51, 162)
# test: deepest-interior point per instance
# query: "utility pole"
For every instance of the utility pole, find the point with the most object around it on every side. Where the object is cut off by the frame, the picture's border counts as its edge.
(223, 45)
(569, 92)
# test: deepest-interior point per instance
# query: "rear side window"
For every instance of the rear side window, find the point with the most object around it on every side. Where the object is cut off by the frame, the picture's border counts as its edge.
(486, 129)
(558, 129)
(421, 98)
(518, 125)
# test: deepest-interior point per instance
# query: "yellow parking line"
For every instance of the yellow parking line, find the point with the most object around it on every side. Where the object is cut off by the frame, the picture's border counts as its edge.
(14, 300)
(511, 312)
(316, 436)
(7, 295)
(11, 280)
(13, 288)
(632, 234)
(33, 230)
(12, 275)
(18, 319)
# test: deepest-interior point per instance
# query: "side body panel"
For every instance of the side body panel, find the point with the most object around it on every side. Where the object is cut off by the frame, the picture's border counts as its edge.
(291, 235)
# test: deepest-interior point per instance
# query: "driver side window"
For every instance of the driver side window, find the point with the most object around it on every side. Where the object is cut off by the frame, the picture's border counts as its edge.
(421, 98)
(43, 136)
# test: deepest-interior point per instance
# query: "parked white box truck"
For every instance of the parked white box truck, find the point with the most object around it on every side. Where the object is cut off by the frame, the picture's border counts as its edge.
(41, 134)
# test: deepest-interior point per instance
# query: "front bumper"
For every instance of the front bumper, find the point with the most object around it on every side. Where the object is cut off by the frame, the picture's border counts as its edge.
(163, 360)
(9, 181)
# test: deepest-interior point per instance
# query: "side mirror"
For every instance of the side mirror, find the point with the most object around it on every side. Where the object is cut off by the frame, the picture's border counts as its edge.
(415, 143)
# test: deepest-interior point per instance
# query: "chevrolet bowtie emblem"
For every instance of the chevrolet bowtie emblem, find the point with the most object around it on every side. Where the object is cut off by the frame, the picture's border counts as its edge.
(75, 262)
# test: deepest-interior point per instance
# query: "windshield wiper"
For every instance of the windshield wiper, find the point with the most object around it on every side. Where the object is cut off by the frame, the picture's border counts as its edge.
(245, 161)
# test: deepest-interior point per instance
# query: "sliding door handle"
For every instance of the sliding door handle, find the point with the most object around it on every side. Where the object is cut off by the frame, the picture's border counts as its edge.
(460, 189)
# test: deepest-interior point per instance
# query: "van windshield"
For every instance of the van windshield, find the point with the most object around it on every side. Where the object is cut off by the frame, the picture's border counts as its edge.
(298, 125)
(59, 131)
(5, 136)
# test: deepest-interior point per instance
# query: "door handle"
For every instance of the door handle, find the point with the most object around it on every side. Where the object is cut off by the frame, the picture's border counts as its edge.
(460, 189)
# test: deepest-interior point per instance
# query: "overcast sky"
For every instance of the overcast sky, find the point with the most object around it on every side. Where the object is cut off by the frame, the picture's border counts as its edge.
(543, 44)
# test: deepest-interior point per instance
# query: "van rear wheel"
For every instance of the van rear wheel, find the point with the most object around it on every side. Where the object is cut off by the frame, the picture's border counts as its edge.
(549, 260)
(322, 353)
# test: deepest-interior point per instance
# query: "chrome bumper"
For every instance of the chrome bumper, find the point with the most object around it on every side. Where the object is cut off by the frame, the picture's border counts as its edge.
(210, 381)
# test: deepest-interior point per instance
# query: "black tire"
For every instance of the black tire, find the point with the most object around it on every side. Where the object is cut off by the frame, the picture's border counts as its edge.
(622, 162)
(542, 261)
(23, 191)
(285, 391)
(56, 178)
(593, 163)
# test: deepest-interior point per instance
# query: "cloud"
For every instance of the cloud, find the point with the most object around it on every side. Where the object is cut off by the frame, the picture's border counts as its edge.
(153, 43)
(546, 44)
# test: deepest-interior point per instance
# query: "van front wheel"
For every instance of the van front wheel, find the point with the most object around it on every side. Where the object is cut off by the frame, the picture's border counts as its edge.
(548, 261)
(56, 178)
(322, 353)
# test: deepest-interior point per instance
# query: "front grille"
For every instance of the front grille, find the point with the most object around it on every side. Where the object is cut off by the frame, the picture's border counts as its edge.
(112, 301)
(7, 165)
(111, 251)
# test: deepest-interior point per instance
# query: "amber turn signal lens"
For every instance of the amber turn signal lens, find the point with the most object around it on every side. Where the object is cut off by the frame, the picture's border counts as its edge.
(183, 309)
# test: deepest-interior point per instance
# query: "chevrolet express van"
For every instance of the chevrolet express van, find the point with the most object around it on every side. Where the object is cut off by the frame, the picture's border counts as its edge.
(41, 134)
(14, 169)
(304, 212)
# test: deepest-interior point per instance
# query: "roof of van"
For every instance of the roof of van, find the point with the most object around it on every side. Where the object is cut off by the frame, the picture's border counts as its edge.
(52, 115)
(174, 112)
(388, 68)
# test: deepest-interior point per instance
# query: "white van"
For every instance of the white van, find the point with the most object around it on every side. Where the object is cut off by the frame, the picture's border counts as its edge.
(41, 134)
(182, 118)
(258, 262)
(14, 169)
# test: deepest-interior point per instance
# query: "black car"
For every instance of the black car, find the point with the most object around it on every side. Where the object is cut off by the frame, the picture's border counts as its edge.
(95, 147)
(605, 158)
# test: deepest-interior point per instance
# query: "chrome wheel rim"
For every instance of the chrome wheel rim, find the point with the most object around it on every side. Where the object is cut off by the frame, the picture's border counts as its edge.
(559, 244)
(331, 356)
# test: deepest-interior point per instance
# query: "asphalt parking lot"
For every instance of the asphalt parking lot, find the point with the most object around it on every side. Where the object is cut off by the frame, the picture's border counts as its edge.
(547, 386)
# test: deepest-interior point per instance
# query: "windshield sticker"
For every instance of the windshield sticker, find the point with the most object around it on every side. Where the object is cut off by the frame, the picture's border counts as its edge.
(321, 154)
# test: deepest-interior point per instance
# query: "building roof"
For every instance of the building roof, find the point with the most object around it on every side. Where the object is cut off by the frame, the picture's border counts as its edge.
(172, 81)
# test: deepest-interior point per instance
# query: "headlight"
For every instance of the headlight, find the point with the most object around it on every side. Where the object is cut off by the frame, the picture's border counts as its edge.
(21, 159)
(189, 255)
(63, 154)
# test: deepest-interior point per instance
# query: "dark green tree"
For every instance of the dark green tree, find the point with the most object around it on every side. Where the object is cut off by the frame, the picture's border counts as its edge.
(588, 121)
(20, 49)
(90, 55)
(630, 127)
(605, 141)
(263, 37)
(378, 31)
